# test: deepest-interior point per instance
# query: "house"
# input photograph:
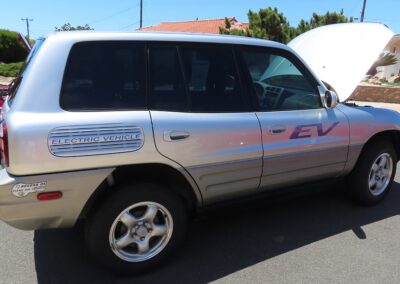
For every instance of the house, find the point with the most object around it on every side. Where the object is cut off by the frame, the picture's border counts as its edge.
(211, 26)
(391, 70)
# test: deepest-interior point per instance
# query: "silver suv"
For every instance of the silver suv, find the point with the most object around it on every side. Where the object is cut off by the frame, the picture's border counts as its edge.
(135, 131)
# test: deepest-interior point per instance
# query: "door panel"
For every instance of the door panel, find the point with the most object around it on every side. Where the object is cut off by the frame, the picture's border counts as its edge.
(222, 152)
(201, 119)
(302, 141)
(313, 146)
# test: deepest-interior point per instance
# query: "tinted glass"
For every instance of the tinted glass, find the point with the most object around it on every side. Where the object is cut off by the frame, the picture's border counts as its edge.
(212, 79)
(167, 87)
(104, 75)
(279, 84)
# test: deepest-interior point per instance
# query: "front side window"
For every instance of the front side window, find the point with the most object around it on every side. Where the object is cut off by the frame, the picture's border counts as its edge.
(278, 82)
(105, 76)
(212, 79)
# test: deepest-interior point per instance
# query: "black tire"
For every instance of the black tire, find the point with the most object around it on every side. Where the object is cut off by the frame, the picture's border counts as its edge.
(99, 224)
(358, 180)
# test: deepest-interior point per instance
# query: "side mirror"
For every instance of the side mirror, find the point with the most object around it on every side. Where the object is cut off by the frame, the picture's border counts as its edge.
(329, 98)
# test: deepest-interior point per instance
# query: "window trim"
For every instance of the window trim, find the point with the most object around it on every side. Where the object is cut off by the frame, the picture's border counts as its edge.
(141, 44)
(278, 52)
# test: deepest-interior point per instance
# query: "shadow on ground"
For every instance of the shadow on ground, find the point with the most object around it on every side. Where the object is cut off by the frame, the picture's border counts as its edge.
(226, 241)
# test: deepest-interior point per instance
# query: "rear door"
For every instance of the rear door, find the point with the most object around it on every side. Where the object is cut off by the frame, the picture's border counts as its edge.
(302, 141)
(201, 118)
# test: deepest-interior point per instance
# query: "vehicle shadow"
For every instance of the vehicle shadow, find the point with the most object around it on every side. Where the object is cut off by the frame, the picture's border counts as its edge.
(226, 241)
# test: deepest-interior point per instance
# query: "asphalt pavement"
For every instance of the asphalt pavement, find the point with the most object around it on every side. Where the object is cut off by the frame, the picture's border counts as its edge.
(317, 238)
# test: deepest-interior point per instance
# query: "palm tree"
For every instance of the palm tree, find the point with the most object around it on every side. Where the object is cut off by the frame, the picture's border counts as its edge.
(385, 59)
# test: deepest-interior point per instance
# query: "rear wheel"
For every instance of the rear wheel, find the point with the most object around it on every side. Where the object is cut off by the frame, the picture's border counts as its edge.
(373, 175)
(136, 228)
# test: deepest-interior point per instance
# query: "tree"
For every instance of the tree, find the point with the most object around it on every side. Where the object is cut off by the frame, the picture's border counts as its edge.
(267, 23)
(228, 30)
(385, 59)
(68, 27)
(11, 49)
(270, 24)
(322, 20)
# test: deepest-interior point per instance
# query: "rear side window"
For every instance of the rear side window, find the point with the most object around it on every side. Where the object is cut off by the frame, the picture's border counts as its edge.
(13, 89)
(212, 79)
(167, 88)
(105, 76)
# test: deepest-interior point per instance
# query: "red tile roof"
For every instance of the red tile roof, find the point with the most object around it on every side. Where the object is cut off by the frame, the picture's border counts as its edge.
(197, 26)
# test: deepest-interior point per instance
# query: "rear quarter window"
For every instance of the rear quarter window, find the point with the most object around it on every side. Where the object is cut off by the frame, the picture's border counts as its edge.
(13, 88)
(104, 76)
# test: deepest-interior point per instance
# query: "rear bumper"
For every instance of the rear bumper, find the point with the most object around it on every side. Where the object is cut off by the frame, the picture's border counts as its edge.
(28, 213)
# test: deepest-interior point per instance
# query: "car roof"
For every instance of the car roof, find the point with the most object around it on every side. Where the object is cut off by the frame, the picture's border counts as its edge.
(78, 36)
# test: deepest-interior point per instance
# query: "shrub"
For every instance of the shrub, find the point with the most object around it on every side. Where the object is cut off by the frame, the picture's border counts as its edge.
(10, 69)
(11, 50)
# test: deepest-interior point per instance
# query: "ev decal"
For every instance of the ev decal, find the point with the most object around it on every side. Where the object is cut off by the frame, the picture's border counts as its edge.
(303, 131)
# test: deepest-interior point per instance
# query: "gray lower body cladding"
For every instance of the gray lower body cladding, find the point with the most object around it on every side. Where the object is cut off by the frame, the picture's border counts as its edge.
(26, 212)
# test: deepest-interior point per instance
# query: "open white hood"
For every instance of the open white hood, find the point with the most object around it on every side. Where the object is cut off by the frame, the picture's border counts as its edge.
(342, 54)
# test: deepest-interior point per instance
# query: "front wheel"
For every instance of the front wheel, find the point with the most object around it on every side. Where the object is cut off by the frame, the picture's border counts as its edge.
(373, 175)
(136, 228)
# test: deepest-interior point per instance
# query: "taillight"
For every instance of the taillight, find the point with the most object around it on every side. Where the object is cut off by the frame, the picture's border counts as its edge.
(4, 144)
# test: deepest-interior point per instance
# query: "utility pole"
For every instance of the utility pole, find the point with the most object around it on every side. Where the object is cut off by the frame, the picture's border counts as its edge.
(141, 14)
(27, 20)
(363, 11)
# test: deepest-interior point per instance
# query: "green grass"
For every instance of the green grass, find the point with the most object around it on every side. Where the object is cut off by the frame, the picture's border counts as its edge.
(10, 69)
(392, 84)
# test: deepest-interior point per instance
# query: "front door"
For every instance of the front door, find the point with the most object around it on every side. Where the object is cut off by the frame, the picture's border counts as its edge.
(202, 120)
(302, 141)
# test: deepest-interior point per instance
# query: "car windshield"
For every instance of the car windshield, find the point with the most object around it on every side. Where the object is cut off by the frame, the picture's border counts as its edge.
(12, 91)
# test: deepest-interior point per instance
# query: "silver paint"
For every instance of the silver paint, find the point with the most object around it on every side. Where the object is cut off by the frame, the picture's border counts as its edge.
(290, 161)
(221, 155)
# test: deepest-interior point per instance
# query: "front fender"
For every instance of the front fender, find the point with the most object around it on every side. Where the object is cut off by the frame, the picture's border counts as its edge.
(365, 123)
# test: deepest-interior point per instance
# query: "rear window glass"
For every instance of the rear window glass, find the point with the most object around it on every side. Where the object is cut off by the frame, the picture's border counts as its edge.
(212, 79)
(167, 88)
(105, 76)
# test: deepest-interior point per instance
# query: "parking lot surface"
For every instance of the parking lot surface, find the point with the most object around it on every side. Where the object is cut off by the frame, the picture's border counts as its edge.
(316, 238)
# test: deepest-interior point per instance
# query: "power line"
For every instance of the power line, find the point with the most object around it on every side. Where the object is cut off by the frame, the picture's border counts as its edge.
(382, 20)
(112, 15)
(130, 25)
(27, 20)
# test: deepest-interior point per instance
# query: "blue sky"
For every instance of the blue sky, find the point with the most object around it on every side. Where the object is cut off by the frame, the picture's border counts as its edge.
(124, 14)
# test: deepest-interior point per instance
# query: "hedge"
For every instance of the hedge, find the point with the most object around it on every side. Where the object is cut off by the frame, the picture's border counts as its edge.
(10, 69)
(11, 50)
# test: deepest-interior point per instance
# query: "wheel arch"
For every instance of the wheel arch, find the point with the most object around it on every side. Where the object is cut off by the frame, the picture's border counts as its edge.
(177, 181)
(392, 136)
